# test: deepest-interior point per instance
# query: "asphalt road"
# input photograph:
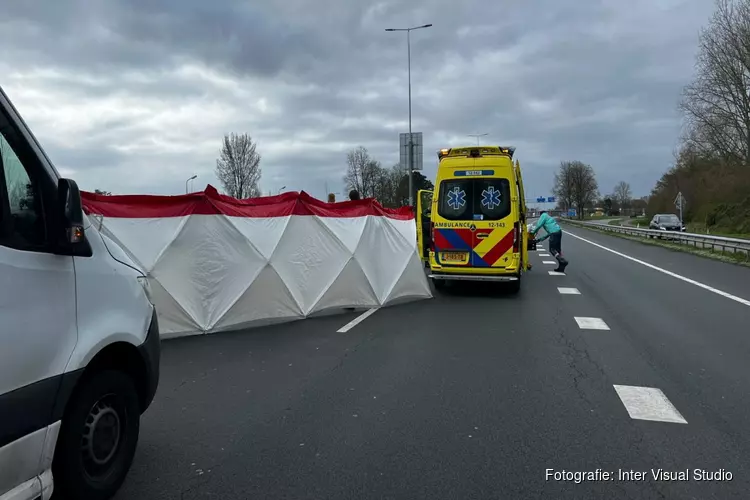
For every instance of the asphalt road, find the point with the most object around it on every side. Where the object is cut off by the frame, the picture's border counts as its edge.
(473, 394)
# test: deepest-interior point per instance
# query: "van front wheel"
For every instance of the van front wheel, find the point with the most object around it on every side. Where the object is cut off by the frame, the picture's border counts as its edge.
(98, 437)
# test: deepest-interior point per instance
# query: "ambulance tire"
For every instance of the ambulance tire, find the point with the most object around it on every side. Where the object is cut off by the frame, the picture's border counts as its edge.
(515, 286)
(439, 284)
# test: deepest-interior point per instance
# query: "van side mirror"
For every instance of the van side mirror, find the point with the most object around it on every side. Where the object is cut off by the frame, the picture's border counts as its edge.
(71, 236)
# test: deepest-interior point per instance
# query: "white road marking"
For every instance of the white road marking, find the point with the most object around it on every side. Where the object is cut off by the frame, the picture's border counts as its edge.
(555, 273)
(569, 291)
(544, 255)
(668, 273)
(549, 262)
(591, 323)
(648, 403)
(359, 319)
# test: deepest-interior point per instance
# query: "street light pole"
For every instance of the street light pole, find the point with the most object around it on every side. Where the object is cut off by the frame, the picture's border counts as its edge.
(186, 183)
(280, 190)
(411, 141)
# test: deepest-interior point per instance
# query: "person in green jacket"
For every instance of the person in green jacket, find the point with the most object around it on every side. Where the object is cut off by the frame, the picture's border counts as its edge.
(554, 233)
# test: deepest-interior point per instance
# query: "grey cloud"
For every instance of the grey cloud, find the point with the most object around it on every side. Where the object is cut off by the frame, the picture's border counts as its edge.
(610, 73)
(86, 158)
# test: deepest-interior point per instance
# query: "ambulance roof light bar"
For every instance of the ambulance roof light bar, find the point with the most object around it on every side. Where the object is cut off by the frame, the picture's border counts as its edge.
(475, 152)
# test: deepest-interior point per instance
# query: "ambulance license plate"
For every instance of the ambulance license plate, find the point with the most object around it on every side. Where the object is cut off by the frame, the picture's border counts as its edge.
(454, 256)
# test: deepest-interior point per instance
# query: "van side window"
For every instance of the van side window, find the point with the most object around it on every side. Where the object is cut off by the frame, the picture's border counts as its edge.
(27, 228)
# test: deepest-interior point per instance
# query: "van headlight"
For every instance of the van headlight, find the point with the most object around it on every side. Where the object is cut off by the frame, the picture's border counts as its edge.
(143, 280)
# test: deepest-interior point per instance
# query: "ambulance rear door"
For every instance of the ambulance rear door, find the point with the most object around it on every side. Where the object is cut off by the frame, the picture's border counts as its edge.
(522, 215)
(493, 226)
(423, 219)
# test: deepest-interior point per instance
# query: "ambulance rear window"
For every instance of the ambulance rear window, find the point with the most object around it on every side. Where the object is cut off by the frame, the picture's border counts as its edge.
(474, 199)
(456, 200)
(492, 198)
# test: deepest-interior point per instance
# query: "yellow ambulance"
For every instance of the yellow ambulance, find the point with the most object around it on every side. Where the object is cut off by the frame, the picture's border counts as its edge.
(476, 216)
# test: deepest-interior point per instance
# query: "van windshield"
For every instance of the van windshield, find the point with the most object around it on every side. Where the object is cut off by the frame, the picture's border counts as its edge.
(474, 199)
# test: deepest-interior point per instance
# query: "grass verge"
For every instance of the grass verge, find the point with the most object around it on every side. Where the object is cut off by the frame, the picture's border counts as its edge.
(728, 257)
(699, 228)
(629, 222)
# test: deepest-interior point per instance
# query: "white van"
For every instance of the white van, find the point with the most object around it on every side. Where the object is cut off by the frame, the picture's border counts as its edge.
(79, 339)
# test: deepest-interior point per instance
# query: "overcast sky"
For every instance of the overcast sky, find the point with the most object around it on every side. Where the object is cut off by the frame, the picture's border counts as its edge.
(134, 96)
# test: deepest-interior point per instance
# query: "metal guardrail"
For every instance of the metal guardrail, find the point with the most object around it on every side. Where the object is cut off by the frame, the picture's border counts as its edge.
(706, 241)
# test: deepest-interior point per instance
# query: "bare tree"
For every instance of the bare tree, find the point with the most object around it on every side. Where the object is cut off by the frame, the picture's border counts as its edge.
(386, 186)
(389, 186)
(585, 187)
(563, 188)
(362, 172)
(575, 185)
(622, 195)
(238, 167)
(716, 104)
(356, 160)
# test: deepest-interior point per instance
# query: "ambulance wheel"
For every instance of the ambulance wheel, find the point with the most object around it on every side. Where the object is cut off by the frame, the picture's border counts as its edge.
(439, 284)
(515, 286)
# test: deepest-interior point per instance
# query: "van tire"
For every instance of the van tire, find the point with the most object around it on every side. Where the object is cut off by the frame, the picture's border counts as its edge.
(108, 398)
(439, 284)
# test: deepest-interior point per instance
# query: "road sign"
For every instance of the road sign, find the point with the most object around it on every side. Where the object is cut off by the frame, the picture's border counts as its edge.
(680, 201)
(572, 212)
(550, 199)
(540, 199)
(416, 140)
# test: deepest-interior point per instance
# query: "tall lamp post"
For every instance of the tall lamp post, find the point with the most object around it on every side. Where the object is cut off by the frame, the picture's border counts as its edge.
(186, 183)
(280, 190)
(411, 144)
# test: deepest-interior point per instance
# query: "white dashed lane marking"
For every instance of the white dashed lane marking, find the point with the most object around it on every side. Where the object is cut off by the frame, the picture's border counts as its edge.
(549, 262)
(648, 403)
(668, 273)
(555, 273)
(591, 323)
(544, 255)
(568, 291)
(359, 319)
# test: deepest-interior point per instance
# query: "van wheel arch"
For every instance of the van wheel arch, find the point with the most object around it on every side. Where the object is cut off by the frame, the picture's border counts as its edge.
(125, 358)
